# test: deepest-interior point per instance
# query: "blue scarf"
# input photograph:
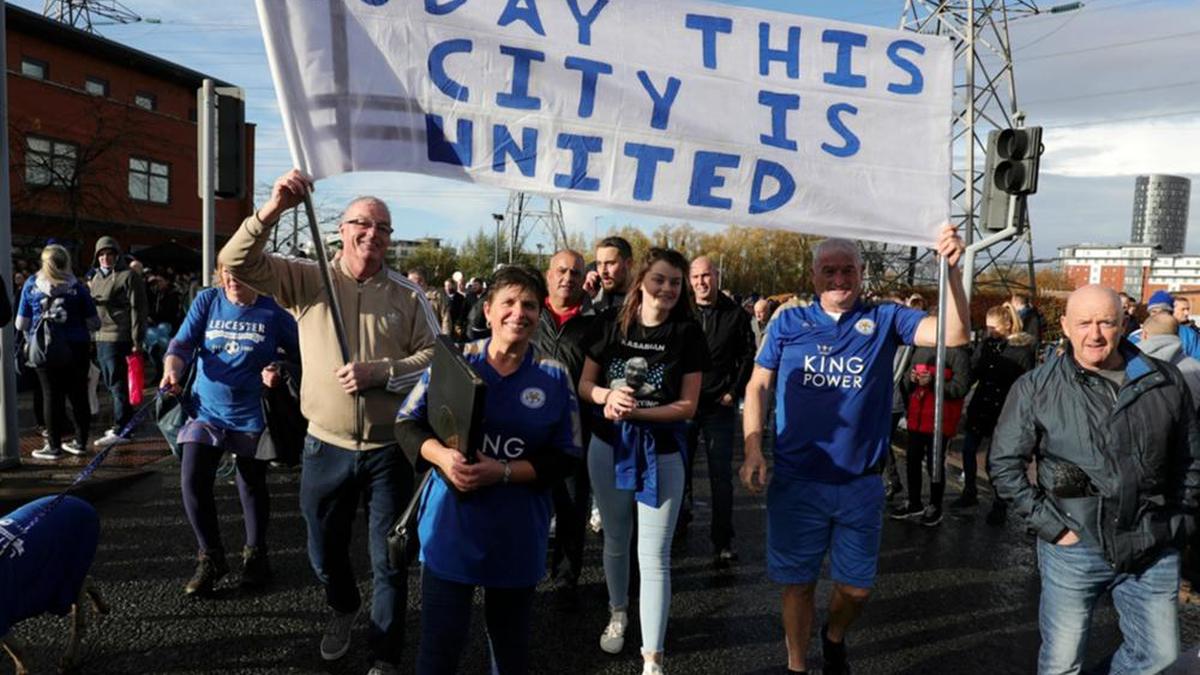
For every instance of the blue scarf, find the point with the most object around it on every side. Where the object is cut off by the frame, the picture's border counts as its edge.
(635, 456)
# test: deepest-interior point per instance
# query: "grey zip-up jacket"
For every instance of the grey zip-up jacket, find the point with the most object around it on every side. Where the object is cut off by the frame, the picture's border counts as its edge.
(1169, 348)
(1121, 468)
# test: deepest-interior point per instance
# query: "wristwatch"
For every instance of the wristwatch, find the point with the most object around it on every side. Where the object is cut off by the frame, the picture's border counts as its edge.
(507, 471)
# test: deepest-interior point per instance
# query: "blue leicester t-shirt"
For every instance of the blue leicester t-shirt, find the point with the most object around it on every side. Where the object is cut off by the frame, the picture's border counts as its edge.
(497, 536)
(235, 343)
(833, 388)
(42, 569)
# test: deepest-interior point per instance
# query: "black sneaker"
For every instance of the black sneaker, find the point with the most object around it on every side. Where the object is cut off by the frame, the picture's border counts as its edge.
(256, 567)
(997, 515)
(834, 654)
(210, 567)
(565, 591)
(905, 511)
(931, 516)
(966, 501)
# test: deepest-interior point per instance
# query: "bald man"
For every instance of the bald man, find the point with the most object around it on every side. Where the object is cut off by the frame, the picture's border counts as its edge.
(731, 345)
(1118, 477)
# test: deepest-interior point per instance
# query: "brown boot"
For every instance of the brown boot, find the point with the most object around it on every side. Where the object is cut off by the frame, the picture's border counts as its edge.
(256, 568)
(210, 567)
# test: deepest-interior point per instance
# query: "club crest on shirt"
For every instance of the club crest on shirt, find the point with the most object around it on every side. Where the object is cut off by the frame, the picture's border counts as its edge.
(865, 326)
(232, 347)
(533, 398)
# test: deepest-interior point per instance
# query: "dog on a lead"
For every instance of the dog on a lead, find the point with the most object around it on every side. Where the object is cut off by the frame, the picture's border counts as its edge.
(44, 568)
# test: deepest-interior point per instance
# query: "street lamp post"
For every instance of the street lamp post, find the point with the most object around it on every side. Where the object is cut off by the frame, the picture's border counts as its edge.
(499, 218)
(541, 265)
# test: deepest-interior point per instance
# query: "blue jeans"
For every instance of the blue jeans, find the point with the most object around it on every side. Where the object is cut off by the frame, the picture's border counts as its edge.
(656, 526)
(715, 429)
(111, 357)
(446, 625)
(331, 483)
(1074, 578)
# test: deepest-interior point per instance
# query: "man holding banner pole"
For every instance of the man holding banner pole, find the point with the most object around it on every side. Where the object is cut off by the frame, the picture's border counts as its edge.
(350, 452)
(826, 495)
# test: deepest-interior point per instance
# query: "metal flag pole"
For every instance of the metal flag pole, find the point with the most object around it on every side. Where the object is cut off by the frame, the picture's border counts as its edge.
(326, 278)
(939, 387)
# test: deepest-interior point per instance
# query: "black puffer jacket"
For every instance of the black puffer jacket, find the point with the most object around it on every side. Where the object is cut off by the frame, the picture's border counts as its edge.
(731, 346)
(569, 343)
(995, 366)
(1121, 468)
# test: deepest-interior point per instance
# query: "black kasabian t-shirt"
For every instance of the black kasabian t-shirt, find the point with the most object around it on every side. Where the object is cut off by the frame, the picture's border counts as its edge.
(651, 361)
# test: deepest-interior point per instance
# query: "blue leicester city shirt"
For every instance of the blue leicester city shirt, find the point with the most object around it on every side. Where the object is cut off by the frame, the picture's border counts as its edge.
(235, 343)
(833, 387)
(497, 536)
(42, 569)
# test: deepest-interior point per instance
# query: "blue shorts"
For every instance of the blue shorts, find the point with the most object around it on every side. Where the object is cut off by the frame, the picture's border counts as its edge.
(806, 519)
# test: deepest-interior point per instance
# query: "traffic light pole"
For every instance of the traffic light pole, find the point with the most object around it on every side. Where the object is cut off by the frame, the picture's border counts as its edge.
(208, 171)
(1014, 203)
(10, 432)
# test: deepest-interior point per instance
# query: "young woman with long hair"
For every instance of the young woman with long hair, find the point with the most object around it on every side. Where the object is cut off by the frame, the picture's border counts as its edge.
(644, 371)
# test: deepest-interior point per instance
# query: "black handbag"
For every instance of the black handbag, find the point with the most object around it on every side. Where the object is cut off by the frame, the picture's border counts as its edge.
(402, 541)
(171, 411)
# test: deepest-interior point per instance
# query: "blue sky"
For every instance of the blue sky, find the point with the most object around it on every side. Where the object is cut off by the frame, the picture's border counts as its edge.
(1115, 84)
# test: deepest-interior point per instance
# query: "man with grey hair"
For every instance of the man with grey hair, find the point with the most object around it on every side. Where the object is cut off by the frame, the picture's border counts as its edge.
(1117, 444)
(826, 495)
(350, 453)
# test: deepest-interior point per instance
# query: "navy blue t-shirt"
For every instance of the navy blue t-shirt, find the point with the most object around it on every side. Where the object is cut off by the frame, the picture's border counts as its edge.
(235, 344)
(497, 536)
(833, 387)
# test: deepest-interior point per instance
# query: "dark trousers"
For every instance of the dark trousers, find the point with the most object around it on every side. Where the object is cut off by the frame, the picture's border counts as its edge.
(111, 358)
(332, 482)
(62, 384)
(572, 508)
(446, 626)
(920, 449)
(714, 430)
(890, 470)
(198, 472)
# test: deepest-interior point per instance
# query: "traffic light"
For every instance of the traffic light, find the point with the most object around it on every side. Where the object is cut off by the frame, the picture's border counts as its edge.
(231, 143)
(993, 213)
(1018, 152)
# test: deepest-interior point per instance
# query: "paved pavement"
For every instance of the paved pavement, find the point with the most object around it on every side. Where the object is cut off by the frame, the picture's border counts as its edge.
(960, 598)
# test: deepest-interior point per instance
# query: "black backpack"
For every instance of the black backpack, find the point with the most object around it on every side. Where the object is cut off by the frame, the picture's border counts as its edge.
(45, 348)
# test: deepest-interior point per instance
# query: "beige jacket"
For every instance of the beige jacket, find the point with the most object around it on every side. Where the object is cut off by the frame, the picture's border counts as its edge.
(389, 324)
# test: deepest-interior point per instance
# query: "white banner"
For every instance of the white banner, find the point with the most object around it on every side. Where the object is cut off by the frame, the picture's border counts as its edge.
(671, 107)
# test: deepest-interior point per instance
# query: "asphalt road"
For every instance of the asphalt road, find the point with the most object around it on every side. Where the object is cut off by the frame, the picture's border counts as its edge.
(960, 598)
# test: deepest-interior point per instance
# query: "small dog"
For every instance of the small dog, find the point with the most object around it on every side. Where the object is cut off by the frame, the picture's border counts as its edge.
(43, 568)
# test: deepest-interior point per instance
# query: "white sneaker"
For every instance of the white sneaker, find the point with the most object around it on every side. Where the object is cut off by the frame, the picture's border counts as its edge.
(48, 452)
(74, 447)
(594, 521)
(110, 437)
(652, 668)
(612, 640)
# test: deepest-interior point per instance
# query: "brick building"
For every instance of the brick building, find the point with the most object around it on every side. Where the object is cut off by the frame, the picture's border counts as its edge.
(1136, 269)
(103, 140)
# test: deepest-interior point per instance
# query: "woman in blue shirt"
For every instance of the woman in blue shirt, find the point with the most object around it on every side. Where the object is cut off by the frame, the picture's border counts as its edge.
(234, 335)
(495, 536)
(54, 295)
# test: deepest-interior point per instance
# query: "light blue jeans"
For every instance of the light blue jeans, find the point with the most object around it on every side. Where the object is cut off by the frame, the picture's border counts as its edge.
(656, 527)
(1074, 577)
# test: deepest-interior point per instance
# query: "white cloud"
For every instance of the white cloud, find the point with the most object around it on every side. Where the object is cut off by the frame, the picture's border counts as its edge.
(1124, 149)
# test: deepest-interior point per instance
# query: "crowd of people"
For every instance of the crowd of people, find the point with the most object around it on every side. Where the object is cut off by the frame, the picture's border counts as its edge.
(602, 387)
